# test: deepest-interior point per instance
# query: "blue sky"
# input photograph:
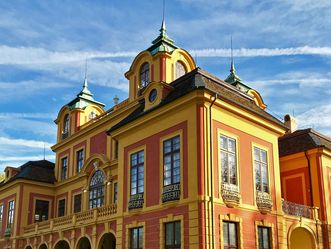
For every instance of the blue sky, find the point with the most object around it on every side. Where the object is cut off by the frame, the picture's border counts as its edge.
(282, 48)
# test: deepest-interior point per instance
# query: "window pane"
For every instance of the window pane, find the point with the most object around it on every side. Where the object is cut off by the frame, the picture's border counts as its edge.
(171, 161)
(233, 234)
(169, 234)
(225, 233)
(266, 238)
(177, 234)
(263, 156)
(232, 145)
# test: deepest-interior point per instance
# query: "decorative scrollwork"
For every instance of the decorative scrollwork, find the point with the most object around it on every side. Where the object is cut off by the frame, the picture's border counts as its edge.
(230, 194)
(171, 192)
(263, 202)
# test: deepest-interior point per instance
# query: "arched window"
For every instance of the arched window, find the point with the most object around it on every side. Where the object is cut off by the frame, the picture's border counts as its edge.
(144, 75)
(66, 126)
(97, 189)
(180, 69)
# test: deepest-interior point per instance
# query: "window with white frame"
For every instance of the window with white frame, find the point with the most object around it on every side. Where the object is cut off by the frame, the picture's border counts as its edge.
(261, 170)
(228, 156)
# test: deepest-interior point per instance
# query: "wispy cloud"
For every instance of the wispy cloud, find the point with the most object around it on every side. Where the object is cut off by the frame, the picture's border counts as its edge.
(266, 52)
(23, 142)
(317, 118)
(27, 115)
(28, 158)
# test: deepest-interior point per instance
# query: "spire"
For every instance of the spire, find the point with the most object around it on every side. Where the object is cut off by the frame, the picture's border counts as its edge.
(162, 43)
(232, 69)
(163, 25)
(85, 91)
(232, 78)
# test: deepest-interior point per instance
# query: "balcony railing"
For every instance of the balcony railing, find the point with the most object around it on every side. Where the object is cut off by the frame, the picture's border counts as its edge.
(230, 194)
(93, 215)
(171, 192)
(263, 202)
(299, 210)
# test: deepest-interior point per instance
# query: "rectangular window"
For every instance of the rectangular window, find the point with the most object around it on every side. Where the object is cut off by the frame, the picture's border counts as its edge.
(264, 237)
(136, 238)
(41, 210)
(64, 168)
(80, 160)
(10, 219)
(171, 161)
(77, 203)
(61, 207)
(115, 192)
(228, 155)
(116, 149)
(261, 170)
(172, 235)
(1, 216)
(137, 173)
(230, 238)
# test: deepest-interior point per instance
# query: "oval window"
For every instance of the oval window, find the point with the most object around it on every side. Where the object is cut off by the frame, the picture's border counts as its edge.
(152, 95)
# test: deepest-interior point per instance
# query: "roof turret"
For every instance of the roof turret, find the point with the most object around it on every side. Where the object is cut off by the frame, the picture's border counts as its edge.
(163, 43)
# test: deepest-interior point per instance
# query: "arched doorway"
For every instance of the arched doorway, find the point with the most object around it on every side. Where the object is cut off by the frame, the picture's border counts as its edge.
(107, 241)
(28, 247)
(84, 243)
(62, 244)
(43, 246)
(301, 238)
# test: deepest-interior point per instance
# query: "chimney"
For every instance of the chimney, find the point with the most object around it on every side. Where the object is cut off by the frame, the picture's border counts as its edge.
(116, 99)
(291, 123)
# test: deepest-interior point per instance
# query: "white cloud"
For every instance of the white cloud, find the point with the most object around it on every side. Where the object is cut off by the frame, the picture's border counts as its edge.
(23, 142)
(33, 55)
(266, 52)
(27, 115)
(318, 118)
(29, 158)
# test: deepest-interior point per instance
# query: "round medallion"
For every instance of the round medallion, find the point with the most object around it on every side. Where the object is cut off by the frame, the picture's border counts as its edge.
(152, 95)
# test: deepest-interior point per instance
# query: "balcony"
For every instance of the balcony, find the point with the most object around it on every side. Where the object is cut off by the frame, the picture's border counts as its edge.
(171, 192)
(8, 232)
(299, 210)
(65, 135)
(136, 201)
(263, 202)
(230, 194)
(70, 221)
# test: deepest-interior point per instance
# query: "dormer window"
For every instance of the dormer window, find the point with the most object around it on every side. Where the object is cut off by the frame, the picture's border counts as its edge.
(92, 115)
(66, 126)
(144, 75)
(180, 69)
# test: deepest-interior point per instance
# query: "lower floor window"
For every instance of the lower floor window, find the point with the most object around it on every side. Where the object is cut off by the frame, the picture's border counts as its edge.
(264, 237)
(172, 235)
(230, 238)
(136, 238)
(61, 208)
(41, 210)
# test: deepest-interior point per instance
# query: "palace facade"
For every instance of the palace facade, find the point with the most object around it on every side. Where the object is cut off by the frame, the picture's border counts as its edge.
(186, 161)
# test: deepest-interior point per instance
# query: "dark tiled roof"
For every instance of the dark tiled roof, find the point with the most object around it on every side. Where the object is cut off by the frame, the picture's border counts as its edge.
(302, 140)
(40, 171)
(200, 79)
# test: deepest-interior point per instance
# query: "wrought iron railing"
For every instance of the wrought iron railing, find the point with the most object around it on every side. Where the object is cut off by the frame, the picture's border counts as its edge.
(230, 194)
(263, 202)
(300, 210)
